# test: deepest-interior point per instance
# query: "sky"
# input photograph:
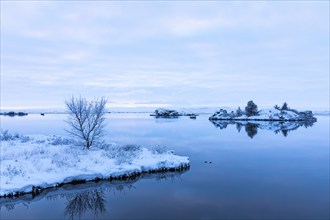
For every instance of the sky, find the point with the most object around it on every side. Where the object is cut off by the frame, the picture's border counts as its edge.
(165, 53)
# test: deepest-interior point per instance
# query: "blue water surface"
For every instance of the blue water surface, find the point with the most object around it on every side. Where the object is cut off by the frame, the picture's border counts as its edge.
(232, 175)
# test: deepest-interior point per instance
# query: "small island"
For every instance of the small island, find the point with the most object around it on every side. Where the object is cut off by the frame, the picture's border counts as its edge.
(168, 113)
(12, 114)
(251, 113)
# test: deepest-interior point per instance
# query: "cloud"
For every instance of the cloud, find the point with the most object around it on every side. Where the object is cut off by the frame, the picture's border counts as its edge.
(178, 52)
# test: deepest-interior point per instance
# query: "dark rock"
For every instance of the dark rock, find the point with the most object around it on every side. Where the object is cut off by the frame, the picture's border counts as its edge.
(168, 113)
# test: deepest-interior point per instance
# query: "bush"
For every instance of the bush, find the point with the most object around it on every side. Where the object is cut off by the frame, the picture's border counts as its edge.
(159, 150)
(61, 141)
(126, 153)
(7, 136)
(25, 139)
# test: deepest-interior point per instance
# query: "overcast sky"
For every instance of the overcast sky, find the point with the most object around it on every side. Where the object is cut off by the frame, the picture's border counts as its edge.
(165, 54)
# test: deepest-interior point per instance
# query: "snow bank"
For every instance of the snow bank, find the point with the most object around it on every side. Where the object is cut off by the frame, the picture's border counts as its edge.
(29, 164)
(265, 115)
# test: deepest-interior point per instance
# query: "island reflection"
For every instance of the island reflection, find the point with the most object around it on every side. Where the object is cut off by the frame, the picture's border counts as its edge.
(251, 127)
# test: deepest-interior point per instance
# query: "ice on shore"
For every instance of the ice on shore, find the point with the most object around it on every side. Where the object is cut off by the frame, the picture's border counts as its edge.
(30, 162)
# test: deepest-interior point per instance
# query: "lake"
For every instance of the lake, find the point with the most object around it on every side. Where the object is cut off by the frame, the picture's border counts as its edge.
(237, 172)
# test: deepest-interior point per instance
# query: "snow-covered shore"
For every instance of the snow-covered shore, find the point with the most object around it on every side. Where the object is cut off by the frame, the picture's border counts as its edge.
(32, 163)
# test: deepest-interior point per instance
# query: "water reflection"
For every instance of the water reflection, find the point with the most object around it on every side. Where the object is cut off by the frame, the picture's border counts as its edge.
(160, 120)
(78, 204)
(88, 198)
(251, 127)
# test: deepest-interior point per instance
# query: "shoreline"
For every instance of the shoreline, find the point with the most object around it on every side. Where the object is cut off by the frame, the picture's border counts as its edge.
(36, 190)
(30, 164)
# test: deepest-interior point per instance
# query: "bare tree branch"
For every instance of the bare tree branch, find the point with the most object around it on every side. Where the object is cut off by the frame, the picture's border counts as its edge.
(86, 119)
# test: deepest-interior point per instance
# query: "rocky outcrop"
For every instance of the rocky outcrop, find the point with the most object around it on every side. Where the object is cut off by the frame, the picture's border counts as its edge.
(168, 113)
(12, 114)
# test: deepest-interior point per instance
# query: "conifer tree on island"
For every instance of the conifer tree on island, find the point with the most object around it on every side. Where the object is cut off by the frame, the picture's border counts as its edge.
(251, 109)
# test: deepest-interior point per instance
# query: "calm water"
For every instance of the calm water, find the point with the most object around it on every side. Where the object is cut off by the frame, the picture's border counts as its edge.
(282, 175)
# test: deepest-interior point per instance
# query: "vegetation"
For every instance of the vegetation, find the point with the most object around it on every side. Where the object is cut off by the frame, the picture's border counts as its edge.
(251, 109)
(86, 119)
(5, 135)
(239, 112)
(285, 106)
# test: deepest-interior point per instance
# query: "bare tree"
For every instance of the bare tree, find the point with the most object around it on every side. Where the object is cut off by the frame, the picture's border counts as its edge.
(86, 119)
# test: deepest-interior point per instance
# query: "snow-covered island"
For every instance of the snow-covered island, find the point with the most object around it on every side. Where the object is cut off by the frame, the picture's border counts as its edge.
(30, 164)
(252, 113)
(12, 114)
(168, 113)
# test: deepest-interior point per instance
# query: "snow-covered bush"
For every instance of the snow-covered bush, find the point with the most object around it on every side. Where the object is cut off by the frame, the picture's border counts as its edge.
(159, 149)
(124, 154)
(62, 160)
(12, 171)
(6, 135)
(25, 139)
(62, 141)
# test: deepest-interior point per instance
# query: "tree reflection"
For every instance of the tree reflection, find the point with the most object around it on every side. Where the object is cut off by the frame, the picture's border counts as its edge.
(251, 127)
(78, 204)
(86, 198)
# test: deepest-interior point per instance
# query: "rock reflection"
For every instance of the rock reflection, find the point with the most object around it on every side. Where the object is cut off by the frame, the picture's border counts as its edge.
(78, 204)
(251, 127)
